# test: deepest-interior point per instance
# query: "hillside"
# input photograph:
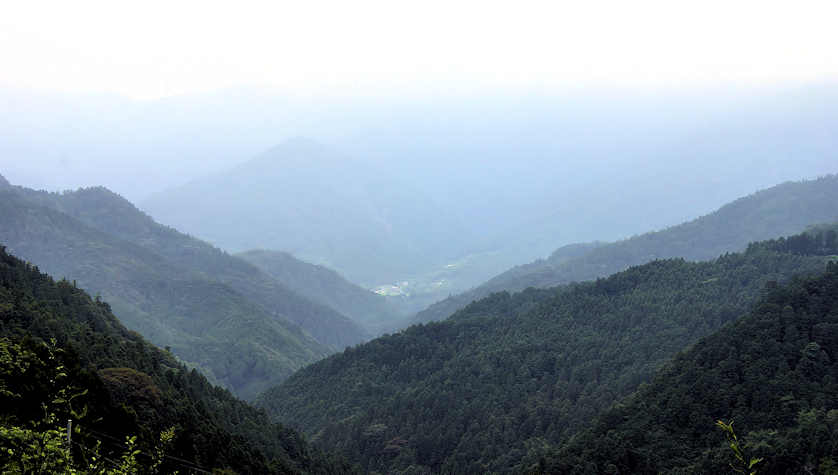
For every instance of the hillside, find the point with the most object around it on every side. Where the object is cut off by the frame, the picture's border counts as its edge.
(323, 285)
(65, 352)
(305, 198)
(773, 373)
(108, 212)
(780, 210)
(215, 311)
(511, 375)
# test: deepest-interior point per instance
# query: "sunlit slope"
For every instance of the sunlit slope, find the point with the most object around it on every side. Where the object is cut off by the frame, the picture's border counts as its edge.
(510, 374)
(780, 210)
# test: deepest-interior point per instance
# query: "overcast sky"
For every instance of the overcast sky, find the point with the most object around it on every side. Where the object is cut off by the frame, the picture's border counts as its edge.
(152, 49)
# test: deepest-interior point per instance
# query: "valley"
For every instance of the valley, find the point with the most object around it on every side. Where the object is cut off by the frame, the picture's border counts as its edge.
(380, 238)
(519, 374)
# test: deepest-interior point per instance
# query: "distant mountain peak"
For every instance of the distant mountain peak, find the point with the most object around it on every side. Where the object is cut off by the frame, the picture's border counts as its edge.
(296, 151)
(4, 183)
(295, 145)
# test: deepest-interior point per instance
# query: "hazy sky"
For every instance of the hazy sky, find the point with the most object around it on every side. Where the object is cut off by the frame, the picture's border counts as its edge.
(151, 49)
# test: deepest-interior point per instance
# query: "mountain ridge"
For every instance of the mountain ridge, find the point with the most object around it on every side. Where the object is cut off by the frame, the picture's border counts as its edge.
(58, 342)
(514, 372)
(180, 292)
(324, 285)
(109, 212)
(779, 210)
(771, 372)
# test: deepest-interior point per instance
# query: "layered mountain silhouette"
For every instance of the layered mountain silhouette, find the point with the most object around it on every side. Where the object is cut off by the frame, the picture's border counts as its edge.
(510, 377)
(323, 285)
(780, 210)
(66, 354)
(218, 312)
(305, 198)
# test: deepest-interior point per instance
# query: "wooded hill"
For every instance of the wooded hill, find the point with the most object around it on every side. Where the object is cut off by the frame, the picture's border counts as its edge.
(777, 211)
(324, 285)
(511, 377)
(66, 356)
(243, 328)
(773, 373)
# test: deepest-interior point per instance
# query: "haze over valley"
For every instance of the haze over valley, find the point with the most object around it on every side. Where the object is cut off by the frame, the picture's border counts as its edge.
(461, 238)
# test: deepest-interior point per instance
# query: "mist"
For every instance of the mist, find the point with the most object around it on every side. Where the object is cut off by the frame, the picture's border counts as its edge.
(441, 189)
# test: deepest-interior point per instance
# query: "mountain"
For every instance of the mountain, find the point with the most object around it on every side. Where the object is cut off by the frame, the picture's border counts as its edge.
(325, 286)
(217, 312)
(410, 187)
(305, 198)
(773, 373)
(4, 183)
(106, 211)
(570, 141)
(66, 356)
(780, 210)
(513, 375)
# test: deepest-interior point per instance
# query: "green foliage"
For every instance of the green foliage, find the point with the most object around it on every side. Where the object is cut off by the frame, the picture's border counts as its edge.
(25, 450)
(43, 447)
(743, 464)
(775, 371)
(511, 377)
(215, 311)
(65, 351)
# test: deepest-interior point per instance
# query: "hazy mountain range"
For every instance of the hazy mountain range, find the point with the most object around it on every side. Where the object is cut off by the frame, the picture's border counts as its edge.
(467, 173)
(579, 327)
(509, 378)
(374, 312)
(776, 211)
(240, 325)
(502, 385)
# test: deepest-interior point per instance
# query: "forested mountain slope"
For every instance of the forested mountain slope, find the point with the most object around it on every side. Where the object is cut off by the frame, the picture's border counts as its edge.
(780, 210)
(240, 342)
(774, 373)
(118, 385)
(108, 212)
(323, 285)
(511, 376)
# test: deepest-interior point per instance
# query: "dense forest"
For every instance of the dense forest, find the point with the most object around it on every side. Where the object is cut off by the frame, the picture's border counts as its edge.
(206, 323)
(65, 356)
(621, 374)
(777, 211)
(773, 373)
(511, 377)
